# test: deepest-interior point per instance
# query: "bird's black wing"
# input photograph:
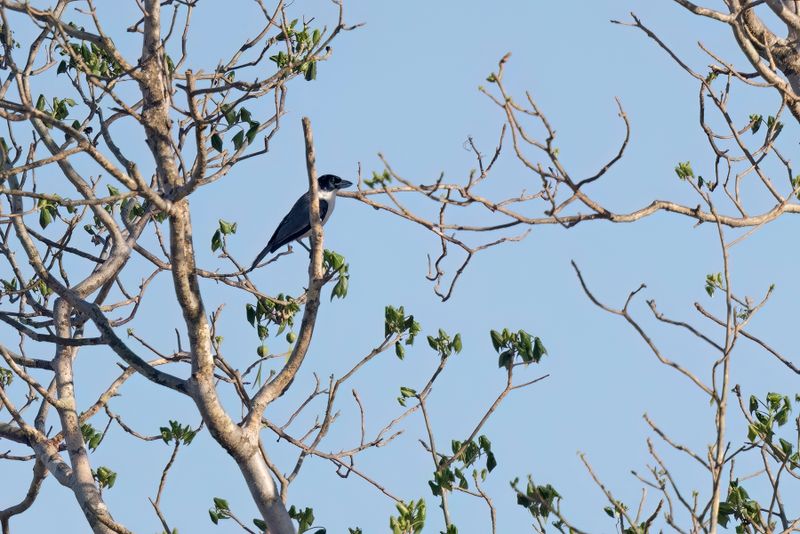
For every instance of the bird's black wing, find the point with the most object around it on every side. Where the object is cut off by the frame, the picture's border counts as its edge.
(293, 226)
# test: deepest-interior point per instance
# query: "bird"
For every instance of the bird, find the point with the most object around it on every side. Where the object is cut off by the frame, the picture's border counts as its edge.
(296, 225)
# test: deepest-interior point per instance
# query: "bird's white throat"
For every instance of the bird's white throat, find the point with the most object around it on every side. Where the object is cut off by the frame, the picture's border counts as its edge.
(330, 198)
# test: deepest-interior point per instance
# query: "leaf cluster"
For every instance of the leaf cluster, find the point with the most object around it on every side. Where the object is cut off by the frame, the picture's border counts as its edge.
(684, 170)
(91, 436)
(512, 345)
(396, 322)
(95, 60)
(444, 345)
(305, 519)
(411, 518)
(6, 377)
(57, 109)
(452, 468)
(218, 239)
(221, 510)
(767, 416)
(177, 432)
(302, 42)
(378, 180)
(742, 508)
(104, 476)
(280, 312)
(335, 265)
(539, 500)
(714, 282)
(236, 119)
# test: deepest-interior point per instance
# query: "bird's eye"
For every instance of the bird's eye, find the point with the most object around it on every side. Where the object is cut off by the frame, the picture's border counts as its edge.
(337, 181)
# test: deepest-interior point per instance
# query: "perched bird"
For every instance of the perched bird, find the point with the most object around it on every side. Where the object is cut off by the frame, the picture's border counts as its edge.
(296, 225)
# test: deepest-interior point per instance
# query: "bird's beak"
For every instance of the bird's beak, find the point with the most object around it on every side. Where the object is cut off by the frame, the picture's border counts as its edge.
(345, 184)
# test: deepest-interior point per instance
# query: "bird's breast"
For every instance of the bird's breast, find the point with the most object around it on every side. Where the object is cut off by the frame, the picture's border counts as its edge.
(331, 200)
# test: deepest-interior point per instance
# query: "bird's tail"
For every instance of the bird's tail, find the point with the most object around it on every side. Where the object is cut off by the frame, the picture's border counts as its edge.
(261, 256)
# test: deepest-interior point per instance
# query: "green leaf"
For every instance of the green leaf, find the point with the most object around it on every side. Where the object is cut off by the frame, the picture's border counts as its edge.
(311, 71)
(407, 392)
(753, 403)
(41, 102)
(722, 518)
(45, 218)
(252, 132)
(216, 241)
(226, 227)
(684, 170)
(433, 343)
(774, 398)
(95, 441)
(170, 63)
(216, 142)
(230, 115)
(491, 461)
(505, 359)
(340, 289)
(538, 350)
(782, 417)
(238, 139)
(221, 503)
(497, 340)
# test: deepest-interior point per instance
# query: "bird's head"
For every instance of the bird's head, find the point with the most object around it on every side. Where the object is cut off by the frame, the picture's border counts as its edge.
(331, 182)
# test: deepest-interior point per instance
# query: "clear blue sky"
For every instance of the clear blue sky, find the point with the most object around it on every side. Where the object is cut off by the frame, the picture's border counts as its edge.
(406, 85)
